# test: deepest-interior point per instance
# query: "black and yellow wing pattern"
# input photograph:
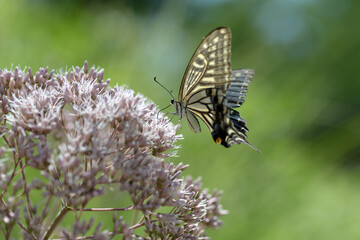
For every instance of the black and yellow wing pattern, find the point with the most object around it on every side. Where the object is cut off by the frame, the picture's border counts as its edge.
(210, 90)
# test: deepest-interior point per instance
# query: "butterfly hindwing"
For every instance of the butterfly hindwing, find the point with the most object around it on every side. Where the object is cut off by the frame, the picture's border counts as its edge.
(193, 122)
(208, 107)
(238, 88)
(238, 122)
(217, 117)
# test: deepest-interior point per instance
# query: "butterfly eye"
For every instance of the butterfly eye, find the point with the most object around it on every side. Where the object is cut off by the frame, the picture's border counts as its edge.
(172, 101)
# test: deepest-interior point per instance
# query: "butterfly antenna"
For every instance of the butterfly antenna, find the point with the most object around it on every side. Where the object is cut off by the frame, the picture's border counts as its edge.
(164, 88)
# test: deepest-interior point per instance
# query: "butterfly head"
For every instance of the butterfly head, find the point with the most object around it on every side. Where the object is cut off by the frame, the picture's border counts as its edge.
(179, 111)
(174, 104)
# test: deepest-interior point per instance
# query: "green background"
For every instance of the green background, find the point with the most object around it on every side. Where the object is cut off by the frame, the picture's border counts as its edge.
(302, 107)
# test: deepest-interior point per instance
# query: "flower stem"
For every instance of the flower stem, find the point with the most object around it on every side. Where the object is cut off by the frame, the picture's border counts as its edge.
(56, 221)
(102, 209)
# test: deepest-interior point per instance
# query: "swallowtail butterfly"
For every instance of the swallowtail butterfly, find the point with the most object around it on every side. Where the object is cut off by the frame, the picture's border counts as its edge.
(210, 90)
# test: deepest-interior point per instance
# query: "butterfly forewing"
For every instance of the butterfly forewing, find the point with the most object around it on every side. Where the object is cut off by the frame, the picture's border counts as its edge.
(210, 65)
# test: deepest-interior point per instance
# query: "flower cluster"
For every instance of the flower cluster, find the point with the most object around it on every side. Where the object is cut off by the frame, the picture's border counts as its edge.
(78, 136)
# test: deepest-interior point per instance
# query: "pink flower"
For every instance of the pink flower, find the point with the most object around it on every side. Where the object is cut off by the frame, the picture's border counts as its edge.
(78, 135)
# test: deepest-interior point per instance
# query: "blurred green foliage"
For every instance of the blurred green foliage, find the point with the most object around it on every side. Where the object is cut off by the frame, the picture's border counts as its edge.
(302, 107)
